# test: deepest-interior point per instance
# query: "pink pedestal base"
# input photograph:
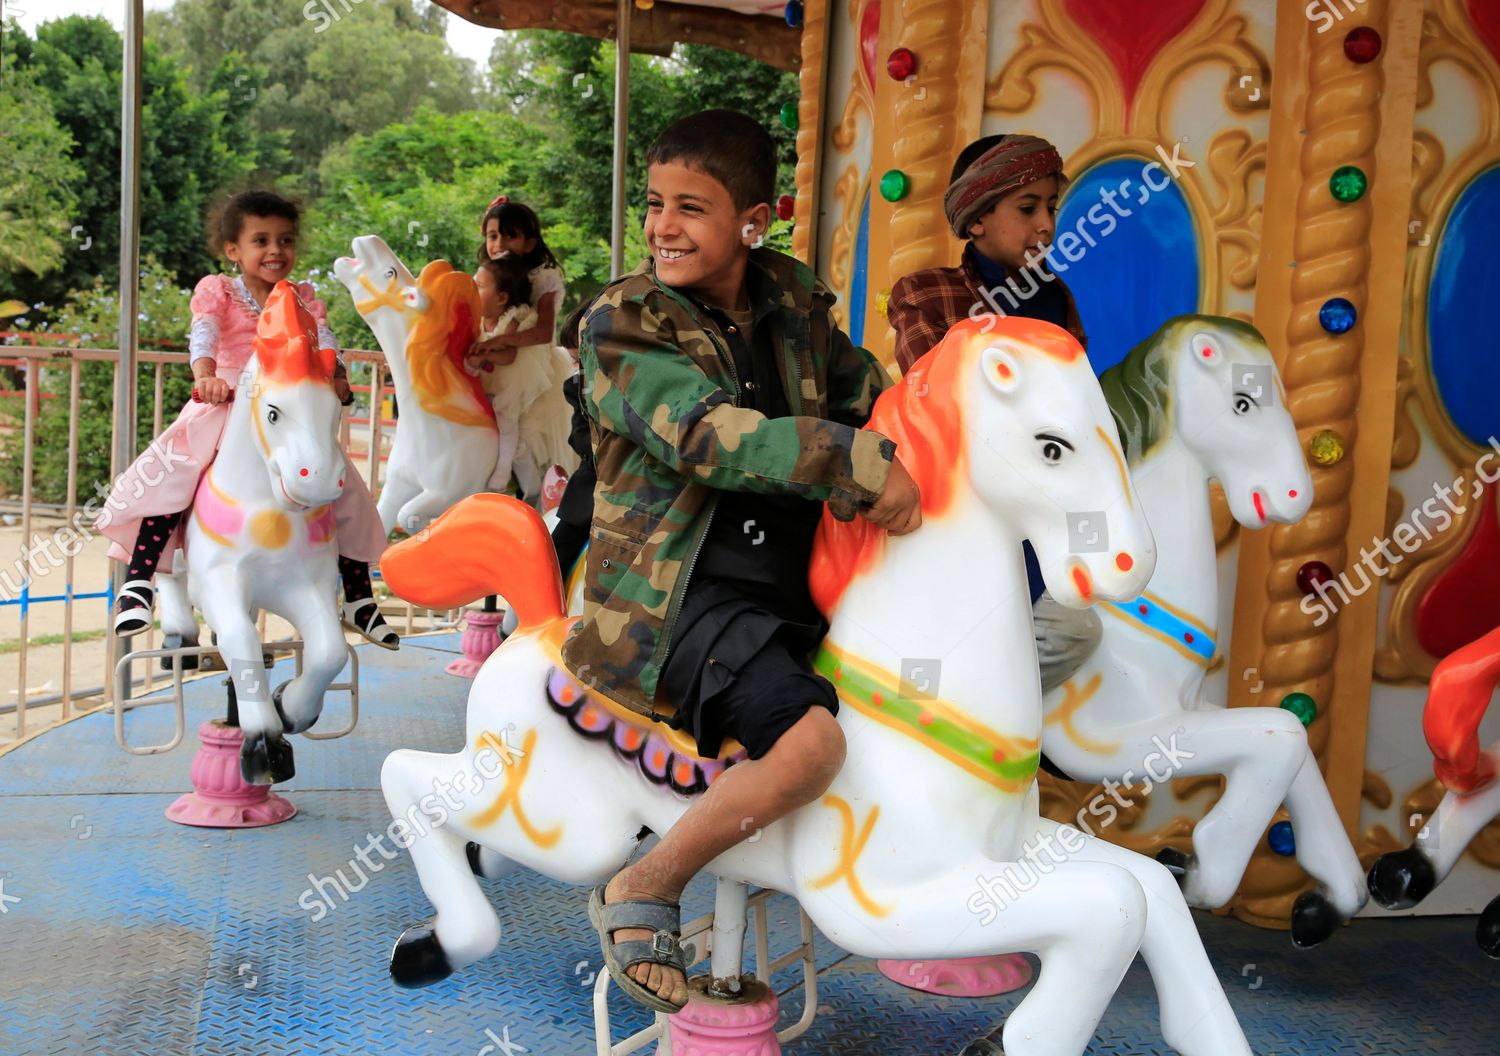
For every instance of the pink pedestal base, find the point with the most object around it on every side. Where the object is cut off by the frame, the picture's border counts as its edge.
(223, 799)
(964, 977)
(710, 1026)
(481, 638)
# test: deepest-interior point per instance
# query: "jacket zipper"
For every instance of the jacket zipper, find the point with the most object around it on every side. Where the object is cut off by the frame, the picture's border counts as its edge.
(679, 592)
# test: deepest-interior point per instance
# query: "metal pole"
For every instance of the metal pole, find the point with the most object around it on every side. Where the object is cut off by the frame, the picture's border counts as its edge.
(130, 238)
(622, 124)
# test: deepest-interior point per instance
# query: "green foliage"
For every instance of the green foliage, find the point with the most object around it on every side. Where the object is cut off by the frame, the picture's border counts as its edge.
(91, 320)
(37, 176)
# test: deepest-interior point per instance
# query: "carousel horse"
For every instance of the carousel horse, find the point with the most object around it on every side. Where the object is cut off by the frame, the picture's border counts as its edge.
(1005, 433)
(1457, 698)
(261, 534)
(447, 443)
(1201, 400)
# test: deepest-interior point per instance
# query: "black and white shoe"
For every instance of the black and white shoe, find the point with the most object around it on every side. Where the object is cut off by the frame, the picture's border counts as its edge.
(363, 618)
(133, 608)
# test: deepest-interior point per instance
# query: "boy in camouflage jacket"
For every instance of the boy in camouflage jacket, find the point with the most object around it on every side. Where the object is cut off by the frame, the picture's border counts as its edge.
(725, 408)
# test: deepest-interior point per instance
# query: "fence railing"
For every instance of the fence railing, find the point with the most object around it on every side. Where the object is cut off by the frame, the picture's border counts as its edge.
(46, 570)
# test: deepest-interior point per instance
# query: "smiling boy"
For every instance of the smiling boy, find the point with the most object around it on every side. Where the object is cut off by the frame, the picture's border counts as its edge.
(726, 408)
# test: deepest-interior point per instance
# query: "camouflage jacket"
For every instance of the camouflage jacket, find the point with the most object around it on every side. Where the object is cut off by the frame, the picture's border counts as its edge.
(662, 397)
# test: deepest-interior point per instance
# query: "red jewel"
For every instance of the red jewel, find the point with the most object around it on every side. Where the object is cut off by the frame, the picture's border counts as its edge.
(998, 755)
(786, 207)
(901, 64)
(876, 698)
(1187, 638)
(1313, 574)
(1292, 494)
(925, 718)
(1144, 610)
(1362, 44)
(303, 472)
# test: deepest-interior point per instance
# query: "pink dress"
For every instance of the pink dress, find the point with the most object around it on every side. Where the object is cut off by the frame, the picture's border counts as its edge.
(164, 477)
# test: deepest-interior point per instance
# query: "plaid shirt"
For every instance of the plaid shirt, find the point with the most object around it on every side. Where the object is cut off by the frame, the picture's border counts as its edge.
(924, 304)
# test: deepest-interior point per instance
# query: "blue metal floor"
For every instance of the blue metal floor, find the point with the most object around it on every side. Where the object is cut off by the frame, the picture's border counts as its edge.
(125, 934)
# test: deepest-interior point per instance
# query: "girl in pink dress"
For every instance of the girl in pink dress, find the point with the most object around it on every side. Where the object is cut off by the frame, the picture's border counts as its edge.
(144, 510)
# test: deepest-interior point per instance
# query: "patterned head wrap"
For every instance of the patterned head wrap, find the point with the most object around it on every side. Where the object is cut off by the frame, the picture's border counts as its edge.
(1013, 162)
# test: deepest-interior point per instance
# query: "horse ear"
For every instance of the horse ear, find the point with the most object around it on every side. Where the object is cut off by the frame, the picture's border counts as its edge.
(1000, 369)
(1206, 349)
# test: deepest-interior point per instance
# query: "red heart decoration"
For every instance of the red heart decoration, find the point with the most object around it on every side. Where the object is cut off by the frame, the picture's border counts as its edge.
(1131, 32)
(869, 40)
(1485, 14)
(1463, 602)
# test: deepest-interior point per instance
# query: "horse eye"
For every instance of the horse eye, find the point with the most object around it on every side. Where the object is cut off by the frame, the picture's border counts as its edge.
(272, 415)
(1242, 404)
(390, 273)
(1052, 452)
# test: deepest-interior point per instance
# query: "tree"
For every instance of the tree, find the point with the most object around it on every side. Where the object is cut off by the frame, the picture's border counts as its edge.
(37, 180)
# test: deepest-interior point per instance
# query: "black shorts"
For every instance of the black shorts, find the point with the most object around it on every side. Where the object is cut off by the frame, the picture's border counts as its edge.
(740, 671)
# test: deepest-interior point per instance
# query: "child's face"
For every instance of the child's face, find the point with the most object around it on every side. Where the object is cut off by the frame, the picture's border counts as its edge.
(266, 249)
(697, 237)
(491, 300)
(1022, 220)
(497, 242)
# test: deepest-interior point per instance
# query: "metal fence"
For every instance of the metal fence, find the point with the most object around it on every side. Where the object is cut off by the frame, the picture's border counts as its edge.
(55, 374)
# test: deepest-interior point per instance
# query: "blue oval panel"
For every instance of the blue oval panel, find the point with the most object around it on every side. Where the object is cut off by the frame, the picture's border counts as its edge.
(1134, 255)
(860, 278)
(1461, 338)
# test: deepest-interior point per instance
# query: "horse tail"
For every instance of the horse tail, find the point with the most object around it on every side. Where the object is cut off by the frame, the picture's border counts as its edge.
(485, 544)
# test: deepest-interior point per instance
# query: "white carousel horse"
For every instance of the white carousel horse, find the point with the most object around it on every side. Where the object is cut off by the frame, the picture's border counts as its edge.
(447, 443)
(261, 534)
(1200, 400)
(1459, 693)
(1005, 433)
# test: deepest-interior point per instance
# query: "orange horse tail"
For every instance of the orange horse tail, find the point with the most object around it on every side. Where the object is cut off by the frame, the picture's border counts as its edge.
(486, 544)
(1457, 697)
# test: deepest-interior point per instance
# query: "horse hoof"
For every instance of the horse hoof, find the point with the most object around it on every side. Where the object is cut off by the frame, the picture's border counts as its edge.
(1177, 862)
(1313, 920)
(1488, 932)
(1401, 879)
(287, 724)
(418, 958)
(177, 641)
(471, 849)
(266, 760)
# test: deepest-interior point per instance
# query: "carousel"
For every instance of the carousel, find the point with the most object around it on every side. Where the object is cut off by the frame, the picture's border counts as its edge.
(1272, 776)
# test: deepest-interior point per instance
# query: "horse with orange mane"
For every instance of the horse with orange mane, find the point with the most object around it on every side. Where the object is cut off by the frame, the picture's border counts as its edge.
(447, 444)
(1005, 432)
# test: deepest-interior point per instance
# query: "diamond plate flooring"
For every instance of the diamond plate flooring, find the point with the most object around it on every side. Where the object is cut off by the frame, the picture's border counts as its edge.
(125, 934)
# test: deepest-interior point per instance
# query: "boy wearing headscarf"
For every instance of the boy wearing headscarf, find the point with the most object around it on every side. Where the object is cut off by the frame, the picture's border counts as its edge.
(1002, 198)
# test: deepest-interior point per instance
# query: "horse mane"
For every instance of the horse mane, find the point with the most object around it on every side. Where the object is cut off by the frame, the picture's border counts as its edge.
(437, 345)
(923, 414)
(1139, 387)
(286, 340)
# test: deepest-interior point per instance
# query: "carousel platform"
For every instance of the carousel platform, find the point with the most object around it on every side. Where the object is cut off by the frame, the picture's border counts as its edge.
(123, 933)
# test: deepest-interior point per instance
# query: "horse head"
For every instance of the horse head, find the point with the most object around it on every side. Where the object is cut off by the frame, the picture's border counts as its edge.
(1227, 406)
(1005, 418)
(426, 323)
(293, 411)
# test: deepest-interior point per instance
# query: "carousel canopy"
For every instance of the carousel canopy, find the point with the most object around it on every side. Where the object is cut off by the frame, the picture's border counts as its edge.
(756, 28)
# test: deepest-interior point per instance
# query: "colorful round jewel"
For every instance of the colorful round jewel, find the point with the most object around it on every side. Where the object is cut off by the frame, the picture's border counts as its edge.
(1313, 575)
(901, 64)
(1282, 840)
(894, 185)
(789, 116)
(793, 13)
(786, 207)
(883, 302)
(1337, 315)
(1348, 183)
(1362, 44)
(1302, 706)
(1326, 448)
